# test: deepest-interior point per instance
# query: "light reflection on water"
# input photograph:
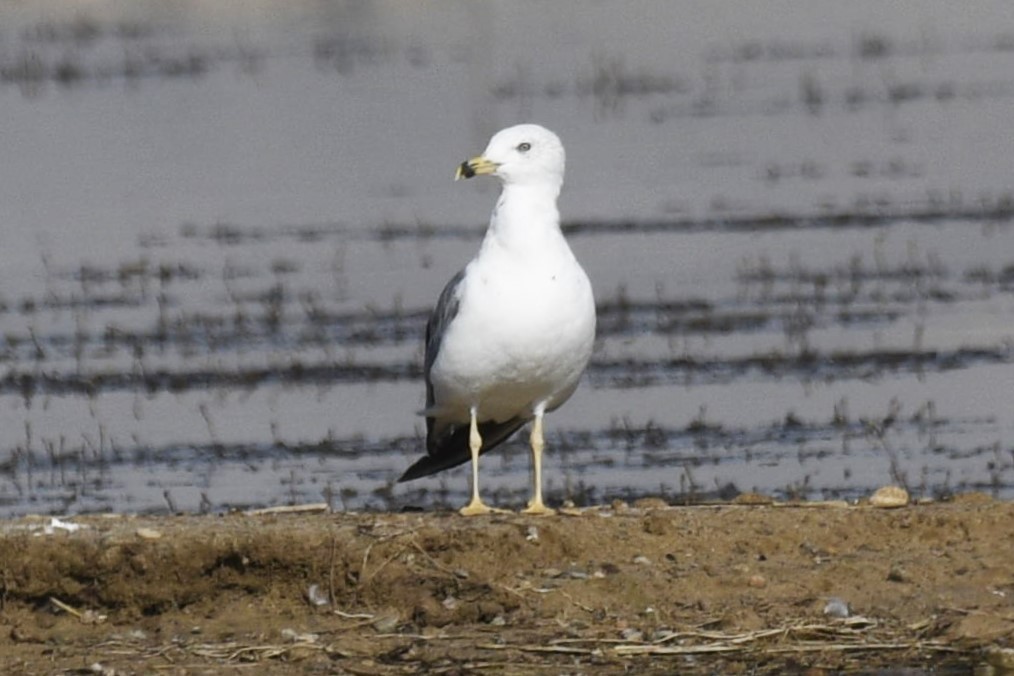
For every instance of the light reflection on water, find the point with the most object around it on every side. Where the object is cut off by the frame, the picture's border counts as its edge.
(222, 236)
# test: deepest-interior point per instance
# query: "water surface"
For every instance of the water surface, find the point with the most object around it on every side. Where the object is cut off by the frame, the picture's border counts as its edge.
(223, 228)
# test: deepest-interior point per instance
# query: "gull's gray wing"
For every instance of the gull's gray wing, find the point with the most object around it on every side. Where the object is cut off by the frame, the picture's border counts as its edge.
(436, 328)
(440, 319)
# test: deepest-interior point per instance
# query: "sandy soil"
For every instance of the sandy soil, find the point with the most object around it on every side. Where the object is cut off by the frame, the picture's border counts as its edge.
(644, 588)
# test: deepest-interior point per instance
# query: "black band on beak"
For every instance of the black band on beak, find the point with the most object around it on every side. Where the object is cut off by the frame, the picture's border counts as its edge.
(465, 170)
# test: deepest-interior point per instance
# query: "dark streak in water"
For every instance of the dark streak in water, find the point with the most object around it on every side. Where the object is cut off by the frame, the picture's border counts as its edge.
(622, 373)
(1000, 211)
(316, 327)
(162, 380)
(807, 366)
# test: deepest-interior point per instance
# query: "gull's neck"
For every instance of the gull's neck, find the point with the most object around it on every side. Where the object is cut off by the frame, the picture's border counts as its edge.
(525, 218)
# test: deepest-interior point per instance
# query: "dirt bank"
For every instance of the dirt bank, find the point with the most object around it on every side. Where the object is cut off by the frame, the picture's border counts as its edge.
(646, 588)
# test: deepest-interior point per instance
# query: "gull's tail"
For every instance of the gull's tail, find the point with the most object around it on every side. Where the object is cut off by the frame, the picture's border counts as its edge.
(450, 448)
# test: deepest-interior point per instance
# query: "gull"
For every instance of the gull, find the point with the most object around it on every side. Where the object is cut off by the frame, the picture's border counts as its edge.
(511, 334)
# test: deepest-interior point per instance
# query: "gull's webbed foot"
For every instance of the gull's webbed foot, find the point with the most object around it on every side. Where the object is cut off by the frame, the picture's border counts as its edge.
(538, 508)
(478, 507)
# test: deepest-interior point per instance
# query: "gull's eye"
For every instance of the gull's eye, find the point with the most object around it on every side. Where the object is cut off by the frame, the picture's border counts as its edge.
(524, 147)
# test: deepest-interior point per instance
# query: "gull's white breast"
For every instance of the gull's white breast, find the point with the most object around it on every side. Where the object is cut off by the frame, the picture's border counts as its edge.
(522, 336)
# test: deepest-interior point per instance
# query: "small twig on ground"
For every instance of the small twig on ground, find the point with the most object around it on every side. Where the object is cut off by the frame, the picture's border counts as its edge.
(64, 607)
(85, 617)
(330, 575)
(312, 508)
(373, 573)
(562, 650)
(436, 564)
(577, 603)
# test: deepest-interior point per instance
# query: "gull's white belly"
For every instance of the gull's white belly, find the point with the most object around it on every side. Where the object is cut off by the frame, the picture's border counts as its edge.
(521, 339)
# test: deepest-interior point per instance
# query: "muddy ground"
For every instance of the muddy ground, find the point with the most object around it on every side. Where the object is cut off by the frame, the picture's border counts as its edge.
(643, 588)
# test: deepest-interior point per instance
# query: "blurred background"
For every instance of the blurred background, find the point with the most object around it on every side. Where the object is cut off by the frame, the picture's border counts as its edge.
(223, 224)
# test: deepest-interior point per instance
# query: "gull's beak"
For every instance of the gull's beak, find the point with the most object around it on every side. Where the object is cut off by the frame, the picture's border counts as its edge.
(477, 166)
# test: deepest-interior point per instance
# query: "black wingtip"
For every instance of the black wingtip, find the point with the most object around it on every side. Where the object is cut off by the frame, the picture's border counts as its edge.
(451, 453)
(452, 450)
(419, 469)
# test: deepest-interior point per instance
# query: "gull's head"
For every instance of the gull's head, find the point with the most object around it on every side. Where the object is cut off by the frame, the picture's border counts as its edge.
(526, 153)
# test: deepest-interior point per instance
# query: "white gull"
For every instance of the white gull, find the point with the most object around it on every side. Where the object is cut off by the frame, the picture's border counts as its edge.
(511, 333)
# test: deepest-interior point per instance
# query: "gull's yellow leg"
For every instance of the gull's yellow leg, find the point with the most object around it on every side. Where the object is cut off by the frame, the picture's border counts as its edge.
(535, 505)
(476, 506)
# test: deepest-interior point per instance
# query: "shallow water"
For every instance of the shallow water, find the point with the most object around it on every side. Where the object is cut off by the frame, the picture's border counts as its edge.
(223, 230)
